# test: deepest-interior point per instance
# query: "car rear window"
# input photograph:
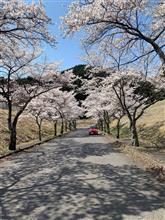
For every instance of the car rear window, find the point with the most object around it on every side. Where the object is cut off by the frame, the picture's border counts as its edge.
(93, 126)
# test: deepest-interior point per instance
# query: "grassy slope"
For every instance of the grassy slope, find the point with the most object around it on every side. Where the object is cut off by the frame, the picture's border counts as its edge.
(26, 130)
(86, 123)
(151, 126)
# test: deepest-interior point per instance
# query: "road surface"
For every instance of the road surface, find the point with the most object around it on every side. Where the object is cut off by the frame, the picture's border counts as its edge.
(78, 177)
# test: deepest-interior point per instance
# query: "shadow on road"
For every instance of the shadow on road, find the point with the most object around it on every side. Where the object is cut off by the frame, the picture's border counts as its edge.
(60, 184)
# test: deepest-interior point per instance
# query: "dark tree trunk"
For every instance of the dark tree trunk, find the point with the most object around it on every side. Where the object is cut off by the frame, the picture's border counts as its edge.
(39, 133)
(9, 115)
(107, 127)
(118, 128)
(159, 51)
(98, 124)
(70, 126)
(101, 125)
(39, 123)
(66, 125)
(74, 124)
(104, 126)
(62, 127)
(55, 128)
(135, 139)
(13, 137)
(13, 126)
(106, 122)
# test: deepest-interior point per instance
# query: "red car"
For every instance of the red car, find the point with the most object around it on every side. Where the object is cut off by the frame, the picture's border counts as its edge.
(93, 130)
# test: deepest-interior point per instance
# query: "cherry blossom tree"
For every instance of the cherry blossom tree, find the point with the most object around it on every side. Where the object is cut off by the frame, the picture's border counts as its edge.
(96, 103)
(62, 106)
(52, 115)
(22, 80)
(24, 23)
(119, 113)
(23, 27)
(93, 107)
(37, 109)
(135, 93)
(113, 107)
(102, 105)
(72, 113)
(121, 93)
(131, 30)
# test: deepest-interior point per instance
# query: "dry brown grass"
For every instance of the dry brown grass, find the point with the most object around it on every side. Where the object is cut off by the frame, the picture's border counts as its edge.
(86, 122)
(27, 131)
(151, 129)
(151, 126)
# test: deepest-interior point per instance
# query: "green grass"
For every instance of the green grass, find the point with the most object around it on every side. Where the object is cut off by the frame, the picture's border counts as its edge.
(151, 126)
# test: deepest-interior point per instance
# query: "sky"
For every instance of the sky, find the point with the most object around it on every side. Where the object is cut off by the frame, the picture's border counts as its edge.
(68, 50)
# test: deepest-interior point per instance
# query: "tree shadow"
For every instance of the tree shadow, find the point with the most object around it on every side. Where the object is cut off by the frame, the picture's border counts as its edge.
(65, 183)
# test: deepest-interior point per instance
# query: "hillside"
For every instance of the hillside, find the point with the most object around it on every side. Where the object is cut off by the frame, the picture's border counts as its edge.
(27, 130)
(83, 72)
(151, 126)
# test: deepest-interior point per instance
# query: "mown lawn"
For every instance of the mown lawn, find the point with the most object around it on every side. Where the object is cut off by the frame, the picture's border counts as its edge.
(151, 126)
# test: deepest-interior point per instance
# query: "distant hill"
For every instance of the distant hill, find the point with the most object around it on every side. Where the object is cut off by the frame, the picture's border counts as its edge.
(82, 71)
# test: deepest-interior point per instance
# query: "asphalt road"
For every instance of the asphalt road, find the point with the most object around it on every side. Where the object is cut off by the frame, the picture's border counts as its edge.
(78, 177)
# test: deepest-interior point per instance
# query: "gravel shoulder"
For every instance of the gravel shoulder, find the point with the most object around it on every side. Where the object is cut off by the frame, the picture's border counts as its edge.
(78, 177)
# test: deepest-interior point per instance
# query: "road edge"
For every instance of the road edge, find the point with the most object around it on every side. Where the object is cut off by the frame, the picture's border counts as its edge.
(29, 146)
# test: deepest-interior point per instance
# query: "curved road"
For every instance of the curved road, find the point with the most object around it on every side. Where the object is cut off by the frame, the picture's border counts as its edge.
(78, 177)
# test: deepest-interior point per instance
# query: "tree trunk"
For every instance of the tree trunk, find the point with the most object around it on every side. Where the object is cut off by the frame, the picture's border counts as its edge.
(62, 127)
(98, 124)
(39, 133)
(66, 125)
(13, 126)
(159, 51)
(135, 139)
(101, 125)
(9, 115)
(39, 123)
(118, 128)
(108, 127)
(55, 129)
(106, 122)
(70, 126)
(104, 126)
(13, 137)
(74, 124)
